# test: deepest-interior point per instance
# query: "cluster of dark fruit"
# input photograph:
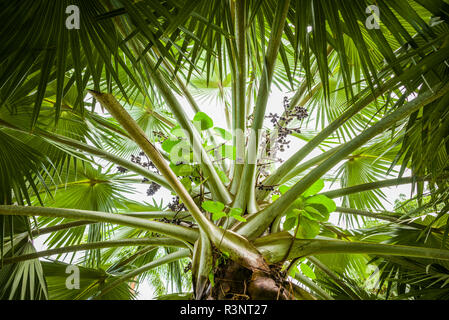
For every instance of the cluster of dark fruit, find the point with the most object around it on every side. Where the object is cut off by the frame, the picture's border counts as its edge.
(297, 112)
(137, 159)
(152, 189)
(274, 118)
(175, 206)
(281, 124)
(122, 170)
(148, 165)
(159, 135)
(178, 222)
(188, 267)
(262, 187)
(282, 140)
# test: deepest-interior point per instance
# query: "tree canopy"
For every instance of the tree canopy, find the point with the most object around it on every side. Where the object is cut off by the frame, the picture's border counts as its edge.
(100, 98)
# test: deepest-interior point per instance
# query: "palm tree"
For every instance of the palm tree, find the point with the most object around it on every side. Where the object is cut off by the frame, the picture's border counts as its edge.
(91, 105)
